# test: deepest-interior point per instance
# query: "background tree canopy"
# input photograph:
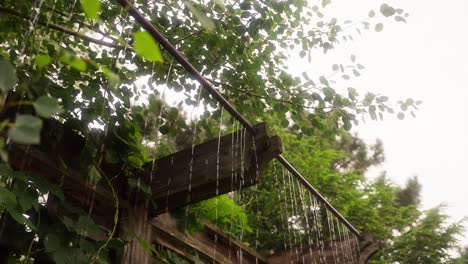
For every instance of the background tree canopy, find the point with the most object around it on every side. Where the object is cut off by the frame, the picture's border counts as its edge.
(86, 66)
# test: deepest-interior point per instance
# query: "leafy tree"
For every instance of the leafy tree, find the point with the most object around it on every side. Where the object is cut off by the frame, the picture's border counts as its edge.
(463, 256)
(428, 241)
(410, 194)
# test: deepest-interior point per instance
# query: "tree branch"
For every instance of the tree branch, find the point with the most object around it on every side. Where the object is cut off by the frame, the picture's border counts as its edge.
(91, 27)
(261, 96)
(64, 30)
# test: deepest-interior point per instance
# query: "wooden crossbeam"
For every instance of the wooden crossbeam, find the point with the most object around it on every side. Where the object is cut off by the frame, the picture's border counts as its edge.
(210, 244)
(200, 173)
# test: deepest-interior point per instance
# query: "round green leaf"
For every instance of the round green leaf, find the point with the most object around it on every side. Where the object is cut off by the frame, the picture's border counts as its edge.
(387, 10)
(43, 60)
(378, 27)
(8, 78)
(164, 130)
(146, 47)
(27, 130)
(74, 62)
(46, 106)
(91, 8)
(401, 116)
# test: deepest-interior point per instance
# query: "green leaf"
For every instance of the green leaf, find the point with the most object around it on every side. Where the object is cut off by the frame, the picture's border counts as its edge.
(356, 73)
(280, 108)
(329, 92)
(20, 218)
(28, 199)
(7, 198)
(401, 116)
(387, 10)
(323, 80)
(8, 78)
(52, 243)
(245, 6)
(285, 123)
(46, 106)
(146, 46)
(400, 19)
(325, 3)
(164, 129)
(206, 22)
(43, 60)
(114, 79)
(91, 8)
(74, 62)
(93, 174)
(372, 113)
(27, 130)
(378, 27)
(344, 76)
(346, 123)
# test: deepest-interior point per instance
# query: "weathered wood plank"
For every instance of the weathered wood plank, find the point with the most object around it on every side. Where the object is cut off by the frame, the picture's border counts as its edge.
(200, 173)
(210, 250)
(138, 232)
(73, 181)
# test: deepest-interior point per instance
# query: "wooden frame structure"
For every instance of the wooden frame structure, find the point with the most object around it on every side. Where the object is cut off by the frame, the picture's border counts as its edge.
(183, 178)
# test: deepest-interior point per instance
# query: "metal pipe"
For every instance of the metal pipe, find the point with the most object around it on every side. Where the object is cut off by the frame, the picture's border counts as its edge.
(330, 207)
(189, 67)
(183, 61)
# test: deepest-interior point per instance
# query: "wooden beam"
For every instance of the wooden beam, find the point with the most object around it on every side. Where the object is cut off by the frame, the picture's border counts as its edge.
(223, 249)
(193, 175)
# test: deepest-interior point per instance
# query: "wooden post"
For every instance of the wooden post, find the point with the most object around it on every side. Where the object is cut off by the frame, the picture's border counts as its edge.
(138, 234)
(367, 247)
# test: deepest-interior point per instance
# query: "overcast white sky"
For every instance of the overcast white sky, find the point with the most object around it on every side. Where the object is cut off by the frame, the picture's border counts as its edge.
(426, 59)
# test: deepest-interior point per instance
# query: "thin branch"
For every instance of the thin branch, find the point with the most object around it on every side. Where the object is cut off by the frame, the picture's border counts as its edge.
(262, 96)
(188, 36)
(89, 26)
(64, 30)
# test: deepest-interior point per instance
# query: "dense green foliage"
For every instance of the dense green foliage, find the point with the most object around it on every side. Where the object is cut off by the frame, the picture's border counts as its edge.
(88, 67)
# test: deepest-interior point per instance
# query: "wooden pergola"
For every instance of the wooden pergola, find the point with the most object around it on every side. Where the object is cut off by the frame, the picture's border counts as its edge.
(171, 188)
(180, 179)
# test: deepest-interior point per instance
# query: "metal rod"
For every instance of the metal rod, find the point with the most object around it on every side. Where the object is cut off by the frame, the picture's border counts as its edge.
(183, 61)
(189, 67)
(301, 178)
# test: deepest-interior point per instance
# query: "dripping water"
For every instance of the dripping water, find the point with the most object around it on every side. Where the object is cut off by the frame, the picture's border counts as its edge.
(217, 182)
(305, 208)
(192, 158)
